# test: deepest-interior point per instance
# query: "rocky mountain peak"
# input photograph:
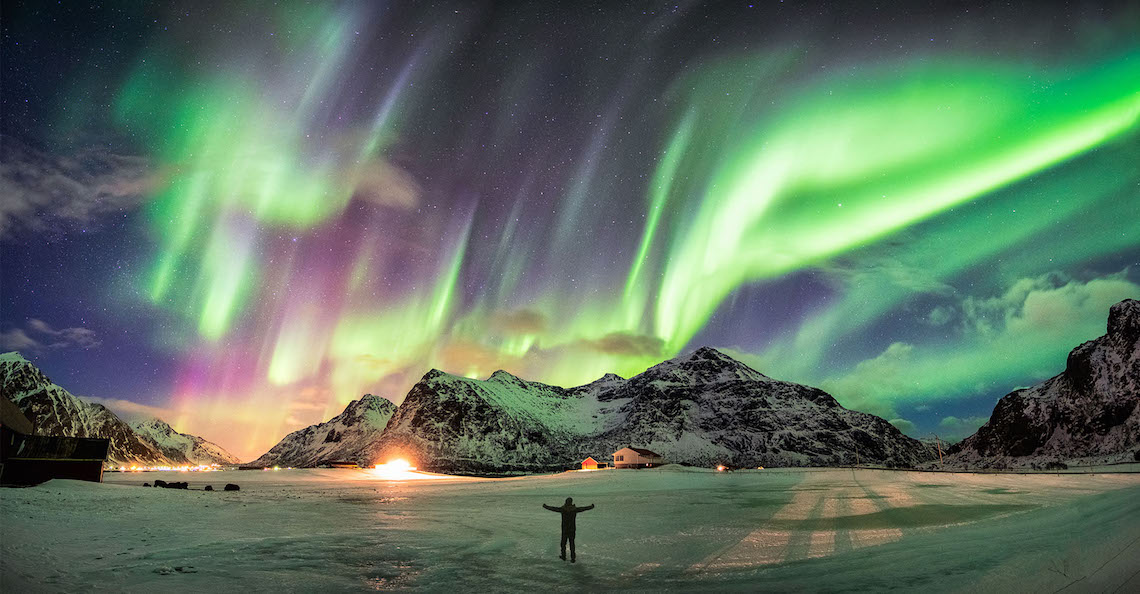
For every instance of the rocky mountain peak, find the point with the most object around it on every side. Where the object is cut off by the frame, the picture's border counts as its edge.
(55, 411)
(701, 407)
(708, 358)
(504, 376)
(1089, 412)
(710, 354)
(366, 407)
(373, 402)
(154, 424)
(12, 357)
(347, 436)
(1124, 320)
(434, 374)
(20, 377)
(704, 365)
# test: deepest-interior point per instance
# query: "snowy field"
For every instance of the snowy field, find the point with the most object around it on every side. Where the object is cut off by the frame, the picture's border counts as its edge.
(667, 529)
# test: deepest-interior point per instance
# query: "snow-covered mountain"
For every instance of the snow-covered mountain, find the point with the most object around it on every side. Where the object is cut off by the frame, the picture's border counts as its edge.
(55, 411)
(183, 446)
(348, 436)
(703, 408)
(1088, 413)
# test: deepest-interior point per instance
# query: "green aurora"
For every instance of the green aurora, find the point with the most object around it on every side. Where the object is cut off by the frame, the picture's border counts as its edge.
(335, 210)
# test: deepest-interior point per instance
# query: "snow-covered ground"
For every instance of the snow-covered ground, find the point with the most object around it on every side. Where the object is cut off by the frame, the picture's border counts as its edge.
(667, 529)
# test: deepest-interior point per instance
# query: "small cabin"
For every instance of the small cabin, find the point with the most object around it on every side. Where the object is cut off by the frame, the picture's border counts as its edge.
(632, 457)
(27, 459)
(592, 464)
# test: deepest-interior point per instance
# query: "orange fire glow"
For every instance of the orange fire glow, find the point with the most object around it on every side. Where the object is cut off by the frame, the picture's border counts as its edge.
(400, 470)
(398, 465)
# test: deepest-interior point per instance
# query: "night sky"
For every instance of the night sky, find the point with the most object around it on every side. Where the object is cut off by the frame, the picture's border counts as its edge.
(240, 216)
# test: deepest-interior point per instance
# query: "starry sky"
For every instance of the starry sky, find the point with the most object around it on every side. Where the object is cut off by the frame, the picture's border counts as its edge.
(240, 216)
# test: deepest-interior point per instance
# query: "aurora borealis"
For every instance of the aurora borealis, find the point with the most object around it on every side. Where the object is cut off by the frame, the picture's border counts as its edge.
(917, 210)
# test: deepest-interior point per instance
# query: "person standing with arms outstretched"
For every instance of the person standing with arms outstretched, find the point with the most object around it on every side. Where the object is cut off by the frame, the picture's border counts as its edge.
(569, 512)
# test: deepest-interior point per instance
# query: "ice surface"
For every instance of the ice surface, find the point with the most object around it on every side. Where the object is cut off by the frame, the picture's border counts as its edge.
(662, 529)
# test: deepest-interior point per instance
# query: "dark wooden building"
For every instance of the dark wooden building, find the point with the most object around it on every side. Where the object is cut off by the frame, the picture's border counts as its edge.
(28, 459)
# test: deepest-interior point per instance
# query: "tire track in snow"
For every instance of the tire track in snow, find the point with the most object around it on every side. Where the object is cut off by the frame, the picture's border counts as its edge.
(805, 505)
(763, 546)
(772, 543)
(843, 540)
(872, 502)
(872, 536)
(823, 541)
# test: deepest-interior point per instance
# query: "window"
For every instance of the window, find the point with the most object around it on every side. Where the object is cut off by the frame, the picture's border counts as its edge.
(619, 458)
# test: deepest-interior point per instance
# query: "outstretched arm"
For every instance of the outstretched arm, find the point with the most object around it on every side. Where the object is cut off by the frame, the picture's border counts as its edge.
(587, 508)
(553, 509)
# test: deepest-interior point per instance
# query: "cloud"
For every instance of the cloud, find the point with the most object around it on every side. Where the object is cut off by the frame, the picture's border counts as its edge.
(18, 340)
(373, 362)
(381, 182)
(38, 335)
(1021, 335)
(905, 426)
(624, 343)
(310, 398)
(466, 356)
(519, 321)
(1046, 305)
(43, 191)
(940, 316)
(64, 337)
(875, 384)
(955, 429)
(133, 412)
(1050, 311)
(887, 268)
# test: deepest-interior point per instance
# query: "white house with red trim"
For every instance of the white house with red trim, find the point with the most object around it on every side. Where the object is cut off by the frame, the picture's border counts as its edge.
(632, 457)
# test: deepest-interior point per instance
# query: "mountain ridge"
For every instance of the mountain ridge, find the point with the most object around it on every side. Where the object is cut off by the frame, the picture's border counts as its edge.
(176, 446)
(55, 411)
(346, 437)
(701, 408)
(1089, 413)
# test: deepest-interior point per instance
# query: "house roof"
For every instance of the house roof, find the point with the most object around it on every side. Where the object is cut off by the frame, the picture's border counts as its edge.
(643, 452)
(12, 417)
(589, 459)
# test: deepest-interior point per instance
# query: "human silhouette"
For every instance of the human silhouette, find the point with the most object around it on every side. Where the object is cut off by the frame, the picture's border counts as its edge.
(569, 512)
